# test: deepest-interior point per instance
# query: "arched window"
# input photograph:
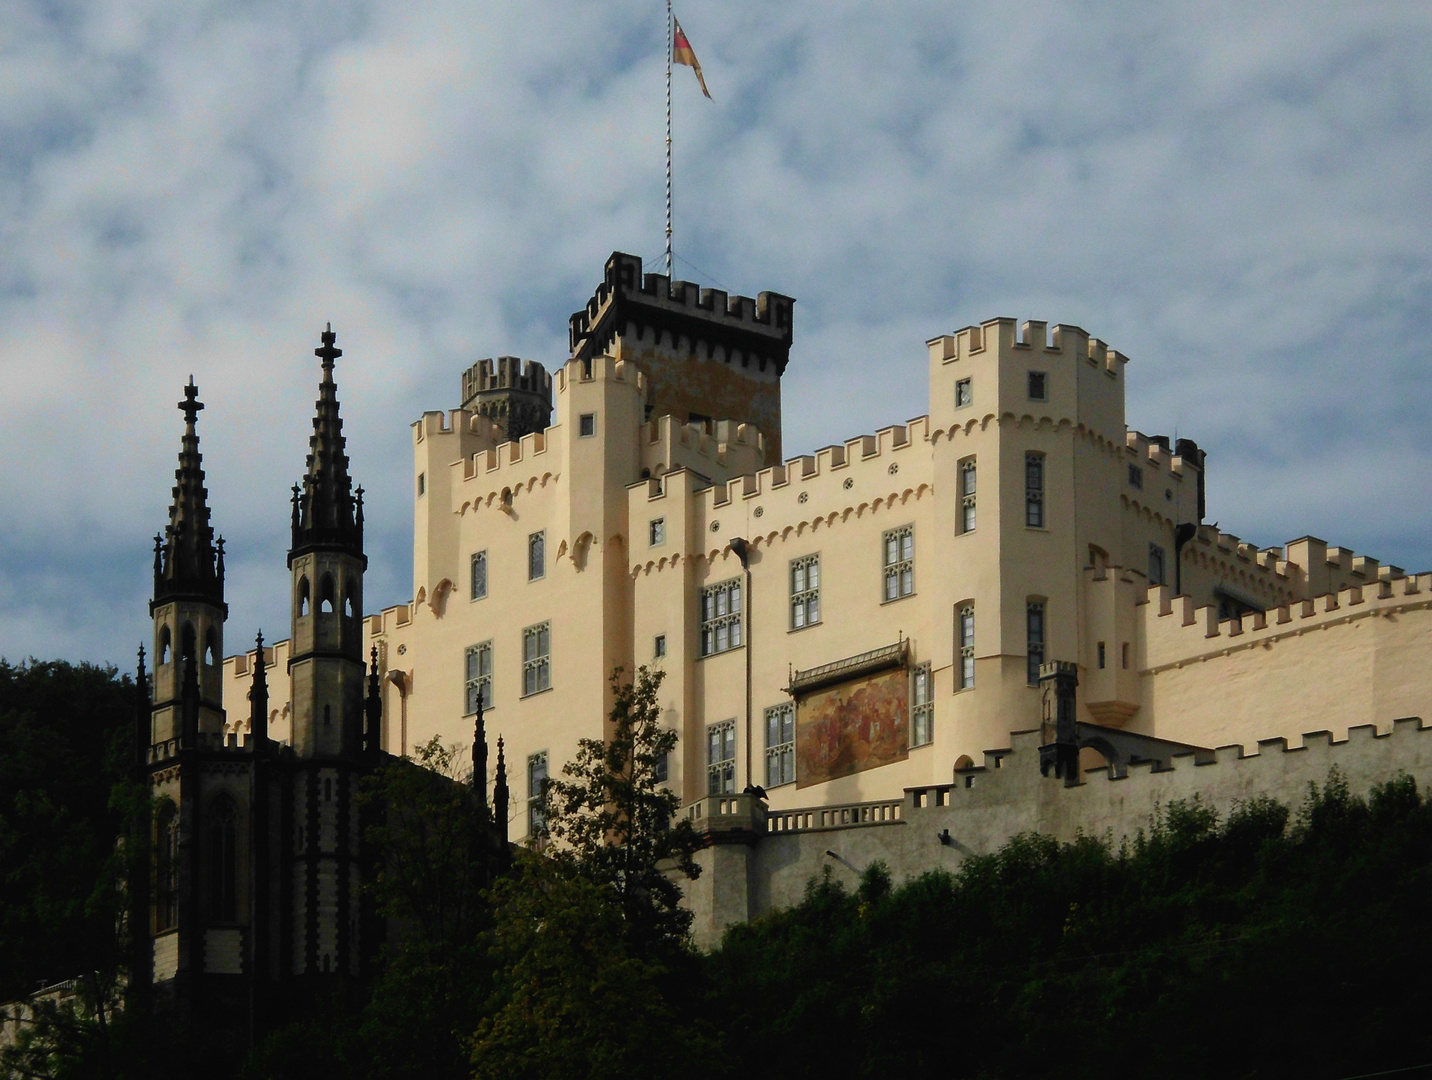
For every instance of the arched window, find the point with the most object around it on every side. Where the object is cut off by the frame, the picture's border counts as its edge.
(350, 590)
(223, 860)
(302, 597)
(211, 648)
(165, 642)
(325, 595)
(188, 648)
(166, 867)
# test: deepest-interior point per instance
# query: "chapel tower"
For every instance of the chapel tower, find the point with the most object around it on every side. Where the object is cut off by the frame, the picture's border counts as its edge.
(327, 674)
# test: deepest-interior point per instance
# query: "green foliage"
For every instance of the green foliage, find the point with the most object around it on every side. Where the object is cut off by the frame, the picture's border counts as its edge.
(1234, 947)
(611, 821)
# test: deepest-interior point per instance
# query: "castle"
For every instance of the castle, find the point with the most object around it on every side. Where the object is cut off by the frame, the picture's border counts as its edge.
(839, 630)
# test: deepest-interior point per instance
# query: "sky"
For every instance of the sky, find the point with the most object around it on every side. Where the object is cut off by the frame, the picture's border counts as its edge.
(1235, 195)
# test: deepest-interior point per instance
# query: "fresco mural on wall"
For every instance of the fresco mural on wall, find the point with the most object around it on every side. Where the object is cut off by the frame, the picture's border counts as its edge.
(856, 725)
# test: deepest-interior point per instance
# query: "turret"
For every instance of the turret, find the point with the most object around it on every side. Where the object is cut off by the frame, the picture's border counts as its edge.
(326, 564)
(188, 607)
(514, 394)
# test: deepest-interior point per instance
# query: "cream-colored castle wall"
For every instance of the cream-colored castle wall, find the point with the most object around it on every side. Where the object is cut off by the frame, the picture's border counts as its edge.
(1170, 668)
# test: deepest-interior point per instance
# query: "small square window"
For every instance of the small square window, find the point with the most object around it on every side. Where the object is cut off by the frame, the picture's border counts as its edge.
(964, 393)
(656, 531)
(1038, 386)
(658, 647)
(587, 424)
(1136, 477)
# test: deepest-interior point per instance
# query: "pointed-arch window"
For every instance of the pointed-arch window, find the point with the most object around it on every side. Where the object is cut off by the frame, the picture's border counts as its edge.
(166, 867)
(211, 648)
(189, 640)
(165, 644)
(223, 860)
(350, 603)
(302, 597)
(326, 595)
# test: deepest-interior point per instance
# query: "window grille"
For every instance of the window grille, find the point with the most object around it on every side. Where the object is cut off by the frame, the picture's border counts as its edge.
(1034, 637)
(536, 658)
(536, 802)
(721, 758)
(721, 617)
(780, 745)
(479, 575)
(479, 676)
(899, 547)
(922, 706)
(967, 647)
(1034, 491)
(967, 496)
(805, 591)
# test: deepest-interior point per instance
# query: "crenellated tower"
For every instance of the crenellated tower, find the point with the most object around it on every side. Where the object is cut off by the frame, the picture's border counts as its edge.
(328, 683)
(514, 394)
(188, 607)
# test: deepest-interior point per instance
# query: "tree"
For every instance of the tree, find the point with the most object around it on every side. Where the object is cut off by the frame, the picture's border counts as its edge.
(611, 820)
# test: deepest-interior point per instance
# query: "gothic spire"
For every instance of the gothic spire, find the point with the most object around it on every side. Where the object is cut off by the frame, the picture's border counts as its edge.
(479, 761)
(187, 562)
(326, 512)
(258, 697)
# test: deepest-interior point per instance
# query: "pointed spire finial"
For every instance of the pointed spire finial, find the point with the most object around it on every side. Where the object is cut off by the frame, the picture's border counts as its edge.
(258, 697)
(186, 562)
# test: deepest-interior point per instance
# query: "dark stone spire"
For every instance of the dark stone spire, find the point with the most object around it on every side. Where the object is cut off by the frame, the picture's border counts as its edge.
(373, 708)
(327, 514)
(258, 697)
(187, 562)
(142, 711)
(500, 796)
(479, 761)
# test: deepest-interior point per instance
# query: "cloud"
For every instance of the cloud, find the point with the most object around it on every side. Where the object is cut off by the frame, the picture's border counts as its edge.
(1233, 195)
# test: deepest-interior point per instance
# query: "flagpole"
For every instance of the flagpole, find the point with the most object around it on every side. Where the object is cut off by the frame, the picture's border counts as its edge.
(670, 46)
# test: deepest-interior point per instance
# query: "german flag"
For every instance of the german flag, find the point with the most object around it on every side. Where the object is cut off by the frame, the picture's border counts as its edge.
(682, 53)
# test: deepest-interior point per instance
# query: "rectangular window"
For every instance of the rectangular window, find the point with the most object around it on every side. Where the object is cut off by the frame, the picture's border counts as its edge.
(967, 495)
(899, 549)
(656, 532)
(922, 706)
(1038, 386)
(1034, 491)
(721, 758)
(1124, 655)
(479, 575)
(1136, 477)
(805, 591)
(967, 646)
(721, 617)
(422, 484)
(1034, 638)
(964, 393)
(536, 781)
(661, 769)
(536, 658)
(587, 425)
(536, 556)
(658, 646)
(1156, 565)
(479, 676)
(1101, 656)
(780, 745)
(586, 368)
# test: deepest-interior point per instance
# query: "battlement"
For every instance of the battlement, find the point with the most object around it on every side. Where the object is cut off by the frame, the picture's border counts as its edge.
(1177, 631)
(507, 373)
(1000, 336)
(729, 446)
(761, 328)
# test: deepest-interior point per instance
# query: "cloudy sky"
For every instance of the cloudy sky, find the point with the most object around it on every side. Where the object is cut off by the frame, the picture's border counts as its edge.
(1235, 195)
